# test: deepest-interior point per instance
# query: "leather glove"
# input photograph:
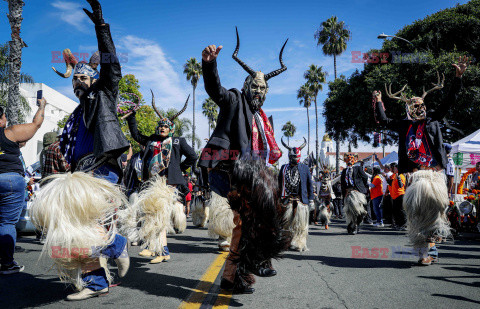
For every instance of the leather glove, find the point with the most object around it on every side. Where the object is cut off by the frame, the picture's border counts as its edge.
(97, 15)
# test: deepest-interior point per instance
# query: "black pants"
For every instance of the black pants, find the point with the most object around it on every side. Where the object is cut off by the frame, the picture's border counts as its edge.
(387, 209)
(368, 218)
(338, 207)
(398, 213)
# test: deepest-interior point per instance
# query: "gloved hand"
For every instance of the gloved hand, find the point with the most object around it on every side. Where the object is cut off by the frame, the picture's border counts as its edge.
(311, 205)
(97, 15)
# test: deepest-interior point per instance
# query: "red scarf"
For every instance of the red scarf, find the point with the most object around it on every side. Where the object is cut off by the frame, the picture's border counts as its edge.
(257, 143)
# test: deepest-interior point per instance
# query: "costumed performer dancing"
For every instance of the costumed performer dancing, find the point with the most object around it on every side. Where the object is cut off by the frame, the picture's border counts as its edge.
(91, 143)
(421, 151)
(243, 129)
(295, 182)
(354, 182)
(162, 165)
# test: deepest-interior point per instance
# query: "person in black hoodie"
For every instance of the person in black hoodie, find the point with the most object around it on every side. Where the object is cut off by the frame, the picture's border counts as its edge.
(421, 151)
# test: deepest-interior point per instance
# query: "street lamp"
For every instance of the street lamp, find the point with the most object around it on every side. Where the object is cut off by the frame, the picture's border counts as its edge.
(383, 36)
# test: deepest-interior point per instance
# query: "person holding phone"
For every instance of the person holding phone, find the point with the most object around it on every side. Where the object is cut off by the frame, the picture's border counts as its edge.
(12, 183)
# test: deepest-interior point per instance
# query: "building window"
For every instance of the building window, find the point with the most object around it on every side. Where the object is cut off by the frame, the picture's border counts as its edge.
(328, 149)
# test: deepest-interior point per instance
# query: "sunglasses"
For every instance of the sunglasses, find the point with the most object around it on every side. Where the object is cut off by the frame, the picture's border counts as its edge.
(165, 126)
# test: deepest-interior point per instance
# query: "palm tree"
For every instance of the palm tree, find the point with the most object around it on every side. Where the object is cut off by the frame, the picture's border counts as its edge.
(315, 78)
(306, 100)
(193, 70)
(289, 130)
(14, 109)
(4, 78)
(333, 35)
(210, 110)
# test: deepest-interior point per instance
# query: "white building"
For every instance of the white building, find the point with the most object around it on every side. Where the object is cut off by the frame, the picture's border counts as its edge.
(57, 107)
(326, 159)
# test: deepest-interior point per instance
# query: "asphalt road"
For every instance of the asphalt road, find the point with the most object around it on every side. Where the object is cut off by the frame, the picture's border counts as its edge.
(339, 271)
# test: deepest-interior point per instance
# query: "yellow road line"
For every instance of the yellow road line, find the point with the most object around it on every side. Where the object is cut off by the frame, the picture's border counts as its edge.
(223, 300)
(201, 290)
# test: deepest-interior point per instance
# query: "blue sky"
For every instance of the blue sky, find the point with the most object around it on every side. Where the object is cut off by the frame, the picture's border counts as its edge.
(157, 37)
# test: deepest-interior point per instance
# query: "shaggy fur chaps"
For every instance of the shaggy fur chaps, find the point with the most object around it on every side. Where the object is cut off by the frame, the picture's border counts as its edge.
(220, 222)
(297, 224)
(256, 198)
(425, 202)
(354, 208)
(199, 211)
(76, 212)
(156, 204)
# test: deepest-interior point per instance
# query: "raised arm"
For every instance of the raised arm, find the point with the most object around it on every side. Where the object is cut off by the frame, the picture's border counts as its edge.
(136, 135)
(190, 155)
(110, 70)
(451, 98)
(380, 112)
(23, 132)
(213, 87)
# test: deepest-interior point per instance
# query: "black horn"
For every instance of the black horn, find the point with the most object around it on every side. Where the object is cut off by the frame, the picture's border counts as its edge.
(153, 105)
(283, 67)
(243, 64)
(285, 145)
(180, 112)
(304, 143)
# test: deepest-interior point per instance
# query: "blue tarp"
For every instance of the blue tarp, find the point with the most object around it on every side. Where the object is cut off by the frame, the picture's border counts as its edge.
(390, 158)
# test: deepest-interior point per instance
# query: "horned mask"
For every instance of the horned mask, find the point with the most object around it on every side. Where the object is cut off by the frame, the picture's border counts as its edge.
(164, 120)
(294, 153)
(256, 86)
(75, 67)
(415, 106)
(350, 158)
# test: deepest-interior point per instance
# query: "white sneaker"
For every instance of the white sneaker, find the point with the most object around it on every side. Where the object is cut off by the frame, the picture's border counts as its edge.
(86, 294)
(378, 225)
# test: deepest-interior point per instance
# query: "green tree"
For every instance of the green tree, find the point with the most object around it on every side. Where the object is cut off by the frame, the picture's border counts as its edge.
(129, 84)
(4, 78)
(333, 36)
(305, 99)
(193, 70)
(441, 37)
(315, 79)
(289, 130)
(210, 110)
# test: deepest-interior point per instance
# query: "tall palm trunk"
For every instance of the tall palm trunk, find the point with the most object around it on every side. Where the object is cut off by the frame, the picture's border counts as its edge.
(193, 126)
(337, 141)
(316, 135)
(308, 125)
(13, 109)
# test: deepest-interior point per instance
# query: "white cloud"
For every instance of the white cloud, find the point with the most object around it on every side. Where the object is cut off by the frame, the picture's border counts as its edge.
(71, 13)
(154, 70)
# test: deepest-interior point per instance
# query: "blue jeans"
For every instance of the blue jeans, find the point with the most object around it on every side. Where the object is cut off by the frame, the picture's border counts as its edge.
(107, 172)
(12, 201)
(377, 208)
(97, 280)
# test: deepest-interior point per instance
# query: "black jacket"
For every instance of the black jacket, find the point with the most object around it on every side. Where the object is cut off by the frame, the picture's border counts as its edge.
(306, 183)
(99, 103)
(179, 148)
(432, 127)
(232, 135)
(360, 180)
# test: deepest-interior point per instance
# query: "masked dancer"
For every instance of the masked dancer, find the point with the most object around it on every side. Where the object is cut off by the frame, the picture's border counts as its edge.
(421, 152)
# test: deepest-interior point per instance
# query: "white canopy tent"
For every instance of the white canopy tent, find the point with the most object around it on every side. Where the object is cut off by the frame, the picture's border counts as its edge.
(468, 150)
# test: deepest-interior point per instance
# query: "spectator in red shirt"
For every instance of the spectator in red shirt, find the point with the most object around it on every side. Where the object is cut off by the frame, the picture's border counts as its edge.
(376, 194)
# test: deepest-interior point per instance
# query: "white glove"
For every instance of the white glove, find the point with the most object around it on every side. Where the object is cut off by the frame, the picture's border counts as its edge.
(311, 205)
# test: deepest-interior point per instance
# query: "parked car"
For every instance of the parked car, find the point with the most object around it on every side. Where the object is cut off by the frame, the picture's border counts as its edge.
(24, 224)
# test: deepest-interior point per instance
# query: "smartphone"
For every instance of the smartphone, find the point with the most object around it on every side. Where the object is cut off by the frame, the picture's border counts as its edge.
(39, 96)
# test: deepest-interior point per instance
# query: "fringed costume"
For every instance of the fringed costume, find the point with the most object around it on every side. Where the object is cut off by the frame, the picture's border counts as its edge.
(161, 164)
(354, 182)
(422, 153)
(295, 183)
(243, 129)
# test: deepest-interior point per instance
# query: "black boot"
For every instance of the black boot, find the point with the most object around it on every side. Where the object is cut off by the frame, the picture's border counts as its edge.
(235, 288)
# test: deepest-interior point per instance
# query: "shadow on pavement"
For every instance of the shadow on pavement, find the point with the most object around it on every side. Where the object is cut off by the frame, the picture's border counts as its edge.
(455, 297)
(341, 262)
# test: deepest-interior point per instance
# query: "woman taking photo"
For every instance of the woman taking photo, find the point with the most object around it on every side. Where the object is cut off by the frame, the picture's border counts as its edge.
(12, 183)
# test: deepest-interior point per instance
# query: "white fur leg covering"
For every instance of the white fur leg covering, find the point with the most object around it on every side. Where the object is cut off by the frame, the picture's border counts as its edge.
(324, 215)
(129, 219)
(425, 201)
(179, 218)
(354, 206)
(298, 225)
(76, 212)
(155, 203)
(220, 218)
(199, 212)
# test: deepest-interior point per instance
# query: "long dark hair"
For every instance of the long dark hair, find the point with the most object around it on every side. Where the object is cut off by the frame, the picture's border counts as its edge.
(376, 171)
